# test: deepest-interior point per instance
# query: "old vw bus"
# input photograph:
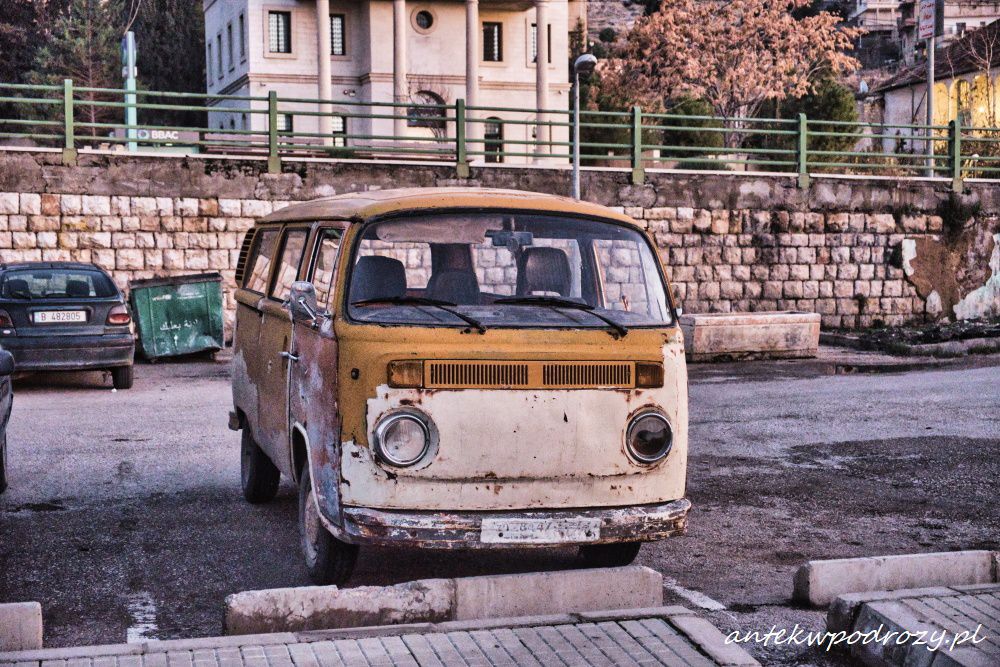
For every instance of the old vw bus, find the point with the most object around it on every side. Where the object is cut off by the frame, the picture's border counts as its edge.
(458, 368)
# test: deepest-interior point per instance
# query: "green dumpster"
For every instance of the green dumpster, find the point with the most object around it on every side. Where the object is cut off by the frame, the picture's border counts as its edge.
(178, 314)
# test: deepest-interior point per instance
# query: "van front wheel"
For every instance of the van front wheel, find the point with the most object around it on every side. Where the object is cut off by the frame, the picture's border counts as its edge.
(609, 555)
(328, 560)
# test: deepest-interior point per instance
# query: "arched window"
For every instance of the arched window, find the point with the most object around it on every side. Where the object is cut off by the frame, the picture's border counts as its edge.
(428, 111)
(493, 139)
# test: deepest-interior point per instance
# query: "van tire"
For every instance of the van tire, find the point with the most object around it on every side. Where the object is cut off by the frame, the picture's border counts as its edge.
(328, 560)
(258, 475)
(3, 463)
(609, 555)
(122, 377)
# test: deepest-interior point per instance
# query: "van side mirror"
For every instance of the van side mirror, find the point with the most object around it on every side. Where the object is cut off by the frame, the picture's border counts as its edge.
(6, 363)
(302, 302)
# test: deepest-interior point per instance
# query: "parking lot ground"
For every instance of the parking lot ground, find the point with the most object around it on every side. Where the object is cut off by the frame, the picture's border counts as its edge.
(125, 520)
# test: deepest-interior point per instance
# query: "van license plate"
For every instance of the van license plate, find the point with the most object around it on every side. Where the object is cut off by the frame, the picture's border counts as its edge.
(539, 531)
(61, 317)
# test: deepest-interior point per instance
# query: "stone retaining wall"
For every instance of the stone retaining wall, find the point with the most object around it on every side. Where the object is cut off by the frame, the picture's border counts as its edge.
(859, 252)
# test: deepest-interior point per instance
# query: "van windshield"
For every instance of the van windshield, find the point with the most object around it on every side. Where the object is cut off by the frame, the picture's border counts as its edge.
(506, 270)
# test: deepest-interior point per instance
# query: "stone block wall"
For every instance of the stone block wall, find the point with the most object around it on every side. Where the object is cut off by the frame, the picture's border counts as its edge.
(859, 252)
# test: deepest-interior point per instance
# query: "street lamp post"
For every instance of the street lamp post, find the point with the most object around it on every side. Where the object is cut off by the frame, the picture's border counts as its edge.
(584, 65)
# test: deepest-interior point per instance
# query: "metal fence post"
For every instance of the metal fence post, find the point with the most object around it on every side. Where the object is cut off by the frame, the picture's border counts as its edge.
(955, 146)
(638, 173)
(803, 152)
(69, 131)
(461, 149)
(273, 159)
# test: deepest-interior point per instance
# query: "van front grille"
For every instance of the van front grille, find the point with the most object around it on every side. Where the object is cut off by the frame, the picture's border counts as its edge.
(587, 374)
(474, 374)
(470, 374)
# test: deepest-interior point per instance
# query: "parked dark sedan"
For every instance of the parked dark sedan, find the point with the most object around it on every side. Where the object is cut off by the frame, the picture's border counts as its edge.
(64, 316)
(6, 402)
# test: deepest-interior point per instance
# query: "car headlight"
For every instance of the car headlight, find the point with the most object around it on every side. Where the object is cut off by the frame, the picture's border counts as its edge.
(402, 439)
(649, 437)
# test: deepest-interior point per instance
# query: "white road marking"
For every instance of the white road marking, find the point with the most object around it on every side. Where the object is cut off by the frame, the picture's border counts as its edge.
(694, 597)
(142, 609)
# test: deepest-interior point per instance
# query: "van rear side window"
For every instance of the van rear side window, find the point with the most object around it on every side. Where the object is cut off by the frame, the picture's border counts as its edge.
(259, 263)
(291, 258)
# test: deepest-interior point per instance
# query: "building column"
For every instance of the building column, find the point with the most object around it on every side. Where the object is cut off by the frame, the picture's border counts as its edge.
(324, 88)
(473, 130)
(400, 94)
(542, 72)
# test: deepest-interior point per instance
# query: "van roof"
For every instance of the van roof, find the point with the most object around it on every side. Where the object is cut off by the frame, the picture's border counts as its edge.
(362, 206)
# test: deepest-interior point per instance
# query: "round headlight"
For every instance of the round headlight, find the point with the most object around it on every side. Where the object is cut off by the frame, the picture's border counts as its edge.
(402, 439)
(649, 437)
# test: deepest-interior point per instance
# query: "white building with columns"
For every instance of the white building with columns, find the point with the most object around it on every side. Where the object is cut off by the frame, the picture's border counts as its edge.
(402, 51)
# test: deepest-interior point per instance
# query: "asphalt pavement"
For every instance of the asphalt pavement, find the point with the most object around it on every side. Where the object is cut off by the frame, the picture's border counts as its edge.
(125, 520)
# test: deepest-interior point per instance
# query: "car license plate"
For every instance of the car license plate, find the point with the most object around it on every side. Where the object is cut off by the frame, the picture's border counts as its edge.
(60, 317)
(539, 531)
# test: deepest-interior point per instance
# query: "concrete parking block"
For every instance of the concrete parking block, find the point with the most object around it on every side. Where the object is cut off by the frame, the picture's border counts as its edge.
(439, 600)
(510, 595)
(320, 607)
(20, 626)
(761, 335)
(819, 582)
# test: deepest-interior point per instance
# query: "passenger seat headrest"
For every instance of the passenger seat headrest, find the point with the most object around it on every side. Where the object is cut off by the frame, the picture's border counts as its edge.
(377, 277)
(543, 269)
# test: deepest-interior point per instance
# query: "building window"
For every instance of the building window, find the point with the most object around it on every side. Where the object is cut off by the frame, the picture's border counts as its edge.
(493, 139)
(208, 61)
(285, 122)
(338, 46)
(279, 28)
(492, 42)
(428, 112)
(243, 39)
(218, 54)
(339, 131)
(229, 45)
(534, 42)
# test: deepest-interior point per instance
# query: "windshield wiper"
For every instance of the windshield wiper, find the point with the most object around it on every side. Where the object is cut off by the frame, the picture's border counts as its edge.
(559, 302)
(423, 301)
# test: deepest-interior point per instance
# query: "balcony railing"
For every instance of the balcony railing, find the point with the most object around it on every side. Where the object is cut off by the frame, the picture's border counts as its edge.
(76, 119)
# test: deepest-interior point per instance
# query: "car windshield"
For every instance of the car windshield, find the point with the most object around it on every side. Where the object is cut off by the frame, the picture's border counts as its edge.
(506, 270)
(55, 284)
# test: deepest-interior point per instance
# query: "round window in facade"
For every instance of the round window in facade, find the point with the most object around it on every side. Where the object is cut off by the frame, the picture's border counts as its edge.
(423, 20)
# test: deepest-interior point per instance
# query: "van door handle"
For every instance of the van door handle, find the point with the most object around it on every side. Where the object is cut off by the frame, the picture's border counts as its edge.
(290, 356)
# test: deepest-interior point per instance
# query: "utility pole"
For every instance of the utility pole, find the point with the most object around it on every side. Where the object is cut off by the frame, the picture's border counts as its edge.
(129, 74)
(927, 27)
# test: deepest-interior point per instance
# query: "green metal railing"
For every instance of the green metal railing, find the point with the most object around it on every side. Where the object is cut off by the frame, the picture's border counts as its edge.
(75, 118)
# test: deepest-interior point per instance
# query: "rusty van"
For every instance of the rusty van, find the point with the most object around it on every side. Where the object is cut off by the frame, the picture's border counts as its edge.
(460, 368)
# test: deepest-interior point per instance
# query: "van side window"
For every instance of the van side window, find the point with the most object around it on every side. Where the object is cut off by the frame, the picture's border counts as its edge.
(291, 258)
(260, 260)
(326, 263)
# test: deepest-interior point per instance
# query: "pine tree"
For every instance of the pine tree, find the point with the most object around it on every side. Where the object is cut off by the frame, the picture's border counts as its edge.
(84, 45)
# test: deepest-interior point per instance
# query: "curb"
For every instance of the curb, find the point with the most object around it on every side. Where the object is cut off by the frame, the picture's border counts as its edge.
(441, 600)
(20, 626)
(888, 613)
(818, 583)
(697, 630)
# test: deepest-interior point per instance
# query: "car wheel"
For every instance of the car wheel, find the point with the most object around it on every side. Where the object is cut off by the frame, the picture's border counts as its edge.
(328, 560)
(121, 377)
(3, 463)
(258, 475)
(609, 555)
